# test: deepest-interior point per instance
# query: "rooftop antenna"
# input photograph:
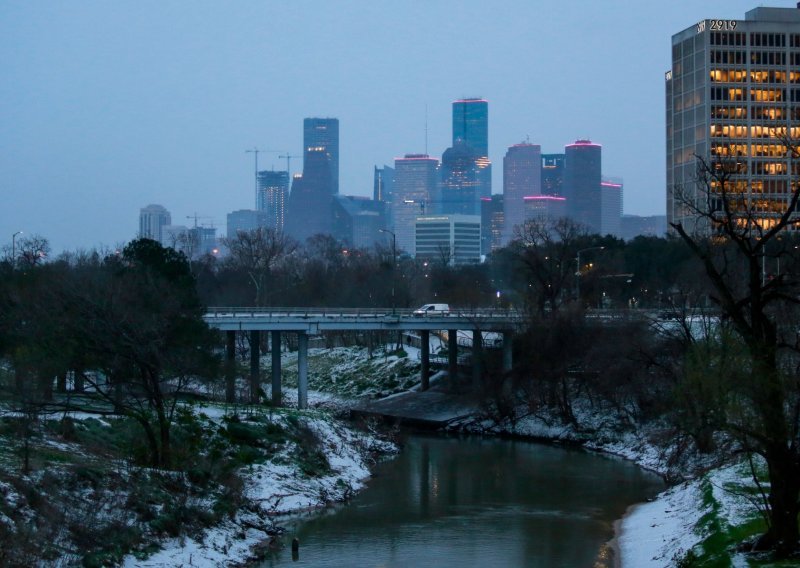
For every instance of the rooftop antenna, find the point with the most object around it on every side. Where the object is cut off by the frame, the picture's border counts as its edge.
(426, 129)
(255, 151)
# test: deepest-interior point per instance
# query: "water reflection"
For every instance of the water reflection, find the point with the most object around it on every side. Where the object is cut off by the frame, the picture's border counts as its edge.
(475, 502)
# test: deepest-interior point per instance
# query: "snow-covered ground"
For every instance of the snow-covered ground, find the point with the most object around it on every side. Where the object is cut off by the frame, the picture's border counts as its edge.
(656, 534)
(275, 489)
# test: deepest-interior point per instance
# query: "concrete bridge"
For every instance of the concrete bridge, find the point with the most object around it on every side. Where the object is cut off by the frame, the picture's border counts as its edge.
(313, 321)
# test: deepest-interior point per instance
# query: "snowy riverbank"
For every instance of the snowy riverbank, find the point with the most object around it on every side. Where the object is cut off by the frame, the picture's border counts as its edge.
(654, 534)
(274, 490)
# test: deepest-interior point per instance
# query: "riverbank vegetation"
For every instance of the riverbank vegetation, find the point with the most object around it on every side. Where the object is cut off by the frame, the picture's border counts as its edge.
(678, 346)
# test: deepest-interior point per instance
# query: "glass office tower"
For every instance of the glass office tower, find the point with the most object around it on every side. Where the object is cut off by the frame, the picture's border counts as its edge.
(733, 94)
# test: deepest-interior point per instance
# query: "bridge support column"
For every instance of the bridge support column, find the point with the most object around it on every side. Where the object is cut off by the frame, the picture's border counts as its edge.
(255, 365)
(425, 359)
(452, 357)
(507, 353)
(302, 371)
(477, 358)
(230, 366)
(276, 368)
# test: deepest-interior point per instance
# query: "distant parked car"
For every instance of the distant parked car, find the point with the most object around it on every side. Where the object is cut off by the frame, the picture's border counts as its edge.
(433, 310)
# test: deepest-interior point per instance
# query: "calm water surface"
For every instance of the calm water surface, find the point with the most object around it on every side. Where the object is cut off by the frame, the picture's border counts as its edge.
(482, 502)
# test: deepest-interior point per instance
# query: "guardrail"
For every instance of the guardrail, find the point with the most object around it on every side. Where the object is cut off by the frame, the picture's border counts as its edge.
(283, 312)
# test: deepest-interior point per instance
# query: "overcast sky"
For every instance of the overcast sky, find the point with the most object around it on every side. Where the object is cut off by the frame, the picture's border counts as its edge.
(109, 106)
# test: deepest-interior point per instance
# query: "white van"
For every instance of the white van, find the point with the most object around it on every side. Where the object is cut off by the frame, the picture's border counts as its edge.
(433, 310)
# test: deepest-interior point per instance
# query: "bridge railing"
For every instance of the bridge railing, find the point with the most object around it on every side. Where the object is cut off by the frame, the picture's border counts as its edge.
(284, 312)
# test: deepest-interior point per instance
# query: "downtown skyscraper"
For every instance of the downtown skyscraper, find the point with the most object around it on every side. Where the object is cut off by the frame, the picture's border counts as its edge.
(310, 210)
(322, 135)
(522, 177)
(471, 126)
(272, 197)
(582, 177)
(415, 182)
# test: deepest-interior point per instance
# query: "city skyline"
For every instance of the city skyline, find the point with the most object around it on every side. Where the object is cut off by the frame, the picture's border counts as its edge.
(113, 107)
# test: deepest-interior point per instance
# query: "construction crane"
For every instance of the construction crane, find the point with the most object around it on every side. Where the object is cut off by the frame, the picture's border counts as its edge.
(288, 158)
(255, 151)
(196, 217)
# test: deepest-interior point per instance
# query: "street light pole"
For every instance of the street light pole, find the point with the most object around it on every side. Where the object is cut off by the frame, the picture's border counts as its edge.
(578, 270)
(394, 264)
(14, 248)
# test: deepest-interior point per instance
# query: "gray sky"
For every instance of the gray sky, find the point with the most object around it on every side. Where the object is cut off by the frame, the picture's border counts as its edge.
(109, 106)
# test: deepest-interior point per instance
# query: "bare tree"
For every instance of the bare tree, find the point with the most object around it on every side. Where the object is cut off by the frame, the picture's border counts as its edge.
(31, 251)
(735, 232)
(256, 252)
(546, 250)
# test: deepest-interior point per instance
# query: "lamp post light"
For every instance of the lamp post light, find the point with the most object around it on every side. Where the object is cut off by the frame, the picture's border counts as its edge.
(578, 269)
(394, 263)
(14, 248)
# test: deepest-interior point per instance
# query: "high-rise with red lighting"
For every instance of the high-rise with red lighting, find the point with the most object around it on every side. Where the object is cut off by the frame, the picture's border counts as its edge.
(582, 176)
(522, 177)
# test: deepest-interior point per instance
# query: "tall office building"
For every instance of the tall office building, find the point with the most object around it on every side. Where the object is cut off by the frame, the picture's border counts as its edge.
(322, 135)
(553, 174)
(357, 220)
(611, 207)
(460, 181)
(471, 126)
(415, 183)
(732, 92)
(582, 177)
(492, 223)
(383, 184)
(152, 220)
(310, 210)
(273, 193)
(522, 177)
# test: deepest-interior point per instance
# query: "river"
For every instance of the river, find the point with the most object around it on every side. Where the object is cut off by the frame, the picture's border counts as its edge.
(482, 502)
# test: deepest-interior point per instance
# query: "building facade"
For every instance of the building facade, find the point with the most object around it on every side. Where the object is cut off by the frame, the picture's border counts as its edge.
(582, 167)
(272, 197)
(733, 97)
(357, 220)
(522, 177)
(415, 185)
(471, 126)
(460, 181)
(152, 220)
(611, 207)
(451, 240)
(545, 208)
(310, 210)
(553, 174)
(322, 135)
(244, 220)
(492, 223)
(635, 225)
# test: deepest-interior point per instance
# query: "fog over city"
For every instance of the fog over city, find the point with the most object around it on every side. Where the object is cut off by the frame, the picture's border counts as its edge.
(108, 107)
